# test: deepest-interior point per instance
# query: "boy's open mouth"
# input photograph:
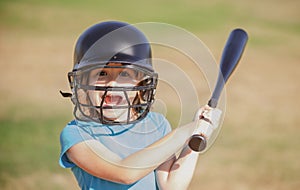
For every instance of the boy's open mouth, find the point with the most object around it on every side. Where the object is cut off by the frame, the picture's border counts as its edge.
(111, 100)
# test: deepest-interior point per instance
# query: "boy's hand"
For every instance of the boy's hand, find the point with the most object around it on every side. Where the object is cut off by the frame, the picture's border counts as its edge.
(208, 120)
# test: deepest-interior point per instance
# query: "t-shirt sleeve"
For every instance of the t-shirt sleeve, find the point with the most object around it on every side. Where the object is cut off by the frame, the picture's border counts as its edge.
(70, 135)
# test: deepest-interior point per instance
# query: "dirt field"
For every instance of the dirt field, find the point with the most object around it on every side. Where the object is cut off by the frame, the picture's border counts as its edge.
(258, 144)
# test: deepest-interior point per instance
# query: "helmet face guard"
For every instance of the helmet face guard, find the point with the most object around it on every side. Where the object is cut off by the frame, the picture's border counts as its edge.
(113, 94)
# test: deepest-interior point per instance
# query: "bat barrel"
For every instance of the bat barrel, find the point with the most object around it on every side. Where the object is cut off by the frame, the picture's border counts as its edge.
(230, 58)
(232, 53)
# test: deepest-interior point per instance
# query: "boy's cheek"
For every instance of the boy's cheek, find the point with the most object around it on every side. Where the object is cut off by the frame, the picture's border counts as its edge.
(81, 96)
(95, 97)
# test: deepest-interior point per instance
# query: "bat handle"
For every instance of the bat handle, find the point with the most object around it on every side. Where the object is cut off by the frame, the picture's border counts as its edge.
(213, 102)
(197, 143)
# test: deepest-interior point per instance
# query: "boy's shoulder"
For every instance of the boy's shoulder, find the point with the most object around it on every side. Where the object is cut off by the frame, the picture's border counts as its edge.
(155, 118)
(156, 115)
(71, 127)
(71, 123)
(159, 120)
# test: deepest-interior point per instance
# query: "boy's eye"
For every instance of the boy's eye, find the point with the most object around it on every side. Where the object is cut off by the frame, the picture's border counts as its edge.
(102, 73)
(101, 76)
(124, 74)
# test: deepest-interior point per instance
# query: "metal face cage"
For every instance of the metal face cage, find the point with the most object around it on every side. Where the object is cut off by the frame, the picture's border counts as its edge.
(113, 93)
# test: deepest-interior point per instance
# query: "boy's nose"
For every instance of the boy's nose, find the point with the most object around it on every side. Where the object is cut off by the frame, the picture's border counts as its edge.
(112, 83)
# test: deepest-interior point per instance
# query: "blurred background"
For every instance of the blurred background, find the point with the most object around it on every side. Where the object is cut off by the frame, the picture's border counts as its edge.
(258, 144)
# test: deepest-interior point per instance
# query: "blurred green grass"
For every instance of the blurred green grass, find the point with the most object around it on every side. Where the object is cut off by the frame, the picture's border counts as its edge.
(207, 16)
(29, 142)
(257, 147)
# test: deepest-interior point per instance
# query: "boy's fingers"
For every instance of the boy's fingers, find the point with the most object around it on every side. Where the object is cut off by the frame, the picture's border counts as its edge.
(215, 117)
(208, 120)
(204, 128)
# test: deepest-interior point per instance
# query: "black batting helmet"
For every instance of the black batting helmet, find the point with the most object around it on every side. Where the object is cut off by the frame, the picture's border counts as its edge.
(120, 47)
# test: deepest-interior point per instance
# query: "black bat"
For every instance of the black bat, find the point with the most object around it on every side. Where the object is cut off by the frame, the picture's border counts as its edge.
(231, 55)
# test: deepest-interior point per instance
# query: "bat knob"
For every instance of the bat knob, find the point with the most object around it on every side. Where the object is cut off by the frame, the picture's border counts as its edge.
(197, 143)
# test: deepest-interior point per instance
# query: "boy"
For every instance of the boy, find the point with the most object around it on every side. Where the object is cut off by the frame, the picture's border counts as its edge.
(116, 142)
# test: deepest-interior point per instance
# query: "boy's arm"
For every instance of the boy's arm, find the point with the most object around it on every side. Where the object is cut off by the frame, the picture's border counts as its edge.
(177, 173)
(99, 161)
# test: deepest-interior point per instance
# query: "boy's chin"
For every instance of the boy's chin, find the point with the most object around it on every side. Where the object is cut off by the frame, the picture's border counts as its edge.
(113, 115)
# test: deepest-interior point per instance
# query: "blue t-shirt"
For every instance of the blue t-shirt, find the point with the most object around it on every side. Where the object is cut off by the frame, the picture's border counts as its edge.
(123, 140)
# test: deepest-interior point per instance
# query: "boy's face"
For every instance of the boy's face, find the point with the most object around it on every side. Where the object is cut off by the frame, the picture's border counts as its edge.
(113, 77)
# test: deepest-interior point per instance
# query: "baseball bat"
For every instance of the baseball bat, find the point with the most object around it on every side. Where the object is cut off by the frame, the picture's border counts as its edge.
(231, 55)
